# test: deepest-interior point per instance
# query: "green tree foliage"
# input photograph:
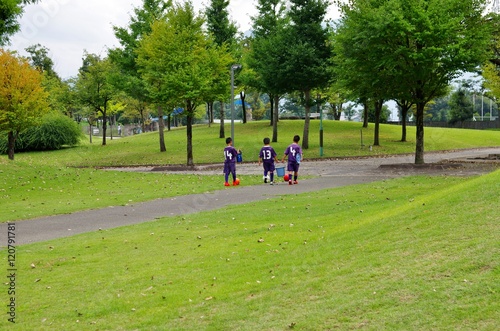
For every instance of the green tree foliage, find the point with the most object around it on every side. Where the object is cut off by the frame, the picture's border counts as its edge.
(219, 25)
(39, 59)
(23, 101)
(491, 68)
(305, 53)
(94, 88)
(265, 56)
(438, 109)
(461, 108)
(414, 48)
(180, 63)
(223, 31)
(128, 78)
(10, 12)
(61, 92)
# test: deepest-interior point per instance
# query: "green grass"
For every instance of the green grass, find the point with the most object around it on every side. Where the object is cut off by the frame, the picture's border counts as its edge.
(32, 191)
(417, 253)
(341, 139)
(63, 181)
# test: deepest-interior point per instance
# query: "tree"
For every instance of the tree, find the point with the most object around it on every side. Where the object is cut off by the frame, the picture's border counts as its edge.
(180, 63)
(307, 53)
(223, 31)
(10, 11)
(60, 92)
(491, 69)
(264, 57)
(129, 79)
(460, 106)
(23, 101)
(94, 88)
(40, 60)
(416, 48)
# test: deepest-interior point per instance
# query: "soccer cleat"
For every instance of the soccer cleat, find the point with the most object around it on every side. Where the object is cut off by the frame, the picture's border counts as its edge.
(265, 180)
(295, 182)
(226, 184)
(272, 183)
(289, 182)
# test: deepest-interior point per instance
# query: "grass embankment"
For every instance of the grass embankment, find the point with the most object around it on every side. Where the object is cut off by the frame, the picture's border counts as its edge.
(38, 184)
(415, 253)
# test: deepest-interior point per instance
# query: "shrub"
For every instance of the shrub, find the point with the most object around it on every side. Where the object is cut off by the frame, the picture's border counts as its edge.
(55, 132)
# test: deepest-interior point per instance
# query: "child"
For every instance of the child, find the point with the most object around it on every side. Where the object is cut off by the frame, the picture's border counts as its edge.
(294, 153)
(230, 154)
(267, 156)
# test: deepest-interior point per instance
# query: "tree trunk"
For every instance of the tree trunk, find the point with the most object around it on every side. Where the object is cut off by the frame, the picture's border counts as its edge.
(419, 150)
(243, 107)
(276, 102)
(365, 114)
(143, 121)
(11, 144)
(404, 114)
(222, 134)
(378, 110)
(337, 112)
(104, 125)
(189, 134)
(305, 138)
(161, 129)
(111, 127)
(210, 112)
(91, 129)
(271, 111)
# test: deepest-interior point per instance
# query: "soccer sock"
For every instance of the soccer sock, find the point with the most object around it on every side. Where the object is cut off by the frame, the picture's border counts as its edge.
(295, 177)
(272, 176)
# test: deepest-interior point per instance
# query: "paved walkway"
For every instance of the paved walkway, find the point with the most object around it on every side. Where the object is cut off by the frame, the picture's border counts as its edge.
(332, 173)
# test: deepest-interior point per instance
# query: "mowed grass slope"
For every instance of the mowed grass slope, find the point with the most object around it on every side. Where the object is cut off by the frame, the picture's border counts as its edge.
(46, 183)
(341, 139)
(418, 253)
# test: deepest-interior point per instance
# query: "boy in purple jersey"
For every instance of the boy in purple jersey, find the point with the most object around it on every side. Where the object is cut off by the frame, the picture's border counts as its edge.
(267, 156)
(230, 154)
(294, 153)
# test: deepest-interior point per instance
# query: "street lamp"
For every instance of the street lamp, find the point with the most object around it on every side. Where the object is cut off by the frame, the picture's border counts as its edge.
(233, 68)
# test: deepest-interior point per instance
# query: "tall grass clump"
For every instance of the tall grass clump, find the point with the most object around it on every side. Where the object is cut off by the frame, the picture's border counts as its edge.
(55, 132)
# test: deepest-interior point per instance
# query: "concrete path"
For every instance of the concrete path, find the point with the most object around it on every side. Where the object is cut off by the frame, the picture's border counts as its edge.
(332, 173)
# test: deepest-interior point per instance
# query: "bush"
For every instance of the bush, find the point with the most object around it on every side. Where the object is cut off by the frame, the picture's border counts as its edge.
(55, 132)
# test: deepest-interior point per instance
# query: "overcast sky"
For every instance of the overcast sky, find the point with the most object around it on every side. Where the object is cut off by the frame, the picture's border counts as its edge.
(68, 27)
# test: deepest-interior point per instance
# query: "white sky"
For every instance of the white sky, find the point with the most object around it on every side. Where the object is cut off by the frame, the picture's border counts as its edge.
(68, 27)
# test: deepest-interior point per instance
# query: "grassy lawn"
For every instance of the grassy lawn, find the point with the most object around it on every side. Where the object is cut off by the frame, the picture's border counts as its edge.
(341, 139)
(417, 253)
(47, 183)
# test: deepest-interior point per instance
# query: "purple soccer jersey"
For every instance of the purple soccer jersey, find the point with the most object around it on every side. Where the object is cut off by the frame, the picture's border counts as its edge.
(267, 155)
(230, 154)
(292, 151)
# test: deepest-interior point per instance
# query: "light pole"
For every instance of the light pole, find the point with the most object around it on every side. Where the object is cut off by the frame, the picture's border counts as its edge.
(233, 68)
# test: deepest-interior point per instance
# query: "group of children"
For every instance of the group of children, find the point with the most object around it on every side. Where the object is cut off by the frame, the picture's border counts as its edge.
(267, 157)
